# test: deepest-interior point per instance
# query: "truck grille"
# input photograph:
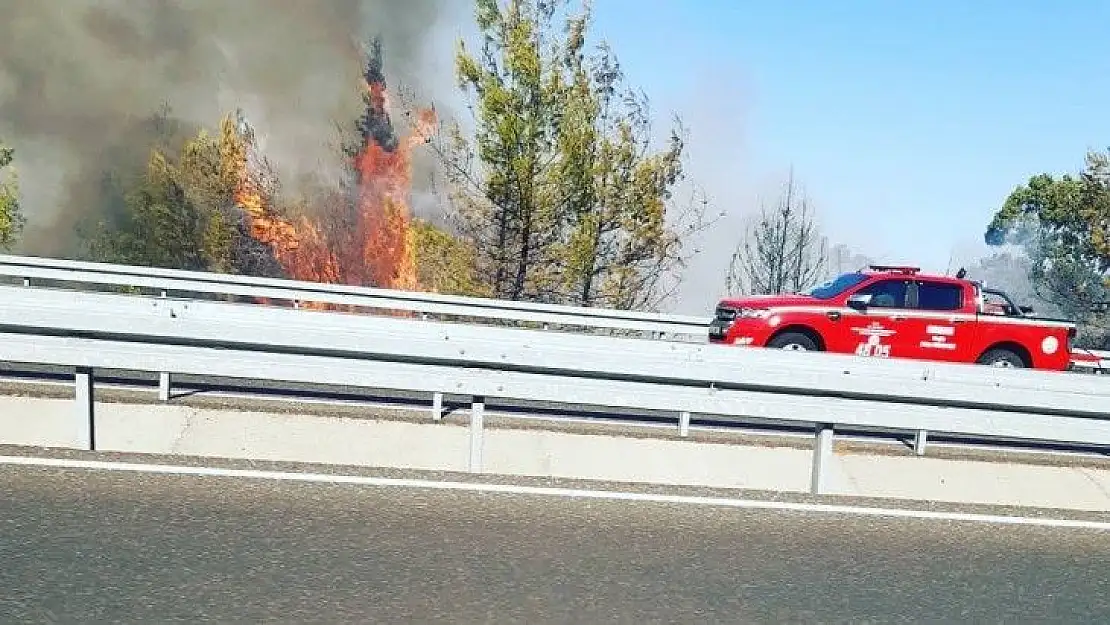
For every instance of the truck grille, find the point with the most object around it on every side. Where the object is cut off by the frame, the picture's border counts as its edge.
(725, 313)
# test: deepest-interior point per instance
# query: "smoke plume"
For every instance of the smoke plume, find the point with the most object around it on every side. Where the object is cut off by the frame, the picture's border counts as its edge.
(80, 80)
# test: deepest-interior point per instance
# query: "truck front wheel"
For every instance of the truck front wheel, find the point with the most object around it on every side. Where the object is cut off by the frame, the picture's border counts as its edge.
(1000, 357)
(795, 341)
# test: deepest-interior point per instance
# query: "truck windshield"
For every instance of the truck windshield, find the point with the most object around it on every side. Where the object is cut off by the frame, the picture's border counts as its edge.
(837, 285)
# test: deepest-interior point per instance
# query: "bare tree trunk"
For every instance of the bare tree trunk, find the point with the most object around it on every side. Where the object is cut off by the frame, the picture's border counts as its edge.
(779, 251)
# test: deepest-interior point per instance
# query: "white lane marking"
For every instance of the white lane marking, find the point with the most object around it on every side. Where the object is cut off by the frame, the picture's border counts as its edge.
(363, 480)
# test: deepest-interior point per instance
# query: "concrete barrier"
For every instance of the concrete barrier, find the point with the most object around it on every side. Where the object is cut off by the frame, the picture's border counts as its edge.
(445, 446)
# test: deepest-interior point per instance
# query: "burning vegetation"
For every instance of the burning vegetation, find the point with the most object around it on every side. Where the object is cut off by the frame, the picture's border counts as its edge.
(558, 195)
(370, 240)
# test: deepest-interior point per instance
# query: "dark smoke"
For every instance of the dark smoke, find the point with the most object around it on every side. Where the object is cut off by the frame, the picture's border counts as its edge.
(81, 81)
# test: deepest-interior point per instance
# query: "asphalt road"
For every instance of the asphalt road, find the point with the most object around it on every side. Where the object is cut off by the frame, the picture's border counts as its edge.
(83, 546)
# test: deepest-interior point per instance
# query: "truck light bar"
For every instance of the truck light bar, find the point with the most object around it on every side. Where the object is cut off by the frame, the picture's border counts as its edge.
(895, 268)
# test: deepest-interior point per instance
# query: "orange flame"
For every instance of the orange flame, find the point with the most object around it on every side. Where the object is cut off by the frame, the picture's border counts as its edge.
(385, 177)
(379, 251)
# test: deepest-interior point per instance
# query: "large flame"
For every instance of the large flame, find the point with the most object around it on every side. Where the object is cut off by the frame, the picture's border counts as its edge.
(378, 249)
(383, 253)
(299, 248)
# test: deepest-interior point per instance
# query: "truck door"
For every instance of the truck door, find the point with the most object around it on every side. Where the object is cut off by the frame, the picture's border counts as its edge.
(942, 326)
(878, 331)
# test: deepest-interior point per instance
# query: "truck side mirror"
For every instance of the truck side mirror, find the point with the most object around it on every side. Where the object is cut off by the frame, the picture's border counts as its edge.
(859, 301)
(1026, 310)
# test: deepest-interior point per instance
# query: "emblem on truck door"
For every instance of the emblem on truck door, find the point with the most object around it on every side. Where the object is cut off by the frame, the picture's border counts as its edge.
(874, 346)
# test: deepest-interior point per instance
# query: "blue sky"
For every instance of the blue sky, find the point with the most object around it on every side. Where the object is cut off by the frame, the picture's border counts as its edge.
(908, 122)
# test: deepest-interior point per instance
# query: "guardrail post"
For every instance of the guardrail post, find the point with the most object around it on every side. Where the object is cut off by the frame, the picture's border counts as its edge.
(684, 424)
(477, 413)
(919, 440)
(437, 406)
(83, 396)
(822, 454)
(164, 386)
(163, 376)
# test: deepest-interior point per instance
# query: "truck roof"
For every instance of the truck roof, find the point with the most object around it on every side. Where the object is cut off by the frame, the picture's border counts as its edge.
(907, 270)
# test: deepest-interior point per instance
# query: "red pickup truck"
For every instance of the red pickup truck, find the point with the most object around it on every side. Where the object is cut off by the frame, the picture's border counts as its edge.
(899, 312)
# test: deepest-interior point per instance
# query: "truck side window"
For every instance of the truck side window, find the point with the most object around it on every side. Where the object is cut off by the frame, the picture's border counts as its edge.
(939, 296)
(886, 293)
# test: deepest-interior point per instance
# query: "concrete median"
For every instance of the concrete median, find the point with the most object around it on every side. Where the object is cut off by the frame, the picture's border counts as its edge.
(445, 446)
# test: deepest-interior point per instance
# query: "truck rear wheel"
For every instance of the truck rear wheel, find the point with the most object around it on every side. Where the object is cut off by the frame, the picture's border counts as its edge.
(794, 341)
(1000, 357)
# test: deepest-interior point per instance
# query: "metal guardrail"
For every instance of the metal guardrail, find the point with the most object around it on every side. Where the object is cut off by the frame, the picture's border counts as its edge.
(685, 328)
(1100, 366)
(194, 283)
(90, 331)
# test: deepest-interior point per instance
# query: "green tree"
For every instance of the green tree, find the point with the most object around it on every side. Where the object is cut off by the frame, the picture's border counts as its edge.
(210, 182)
(185, 210)
(624, 234)
(102, 194)
(559, 190)
(445, 263)
(160, 226)
(11, 216)
(502, 180)
(1063, 225)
